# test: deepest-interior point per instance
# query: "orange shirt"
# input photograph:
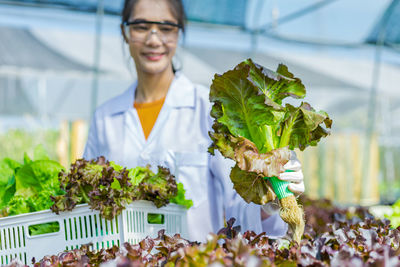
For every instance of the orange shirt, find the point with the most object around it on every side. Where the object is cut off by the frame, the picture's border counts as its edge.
(148, 113)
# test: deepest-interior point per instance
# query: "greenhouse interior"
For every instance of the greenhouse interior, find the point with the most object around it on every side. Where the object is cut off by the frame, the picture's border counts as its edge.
(199, 189)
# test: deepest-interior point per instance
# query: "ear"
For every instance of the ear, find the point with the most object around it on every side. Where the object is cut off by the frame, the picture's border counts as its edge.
(123, 33)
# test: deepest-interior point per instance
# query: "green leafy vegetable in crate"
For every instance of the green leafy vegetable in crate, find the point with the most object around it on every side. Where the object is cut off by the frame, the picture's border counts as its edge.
(254, 128)
(27, 187)
(108, 187)
(394, 214)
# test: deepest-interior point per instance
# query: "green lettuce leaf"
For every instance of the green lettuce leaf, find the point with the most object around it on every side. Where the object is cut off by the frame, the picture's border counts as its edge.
(276, 85)
(44, 228)
(6, 173)
(138, 174)
(250, 123)
(18, 205)
(13, 164)
(27, 187)
(27, 159)
(302, 126)
(251, 186)
(158, 188)
(36, 176)
(180, 198)
(7, 183)
(239, 106)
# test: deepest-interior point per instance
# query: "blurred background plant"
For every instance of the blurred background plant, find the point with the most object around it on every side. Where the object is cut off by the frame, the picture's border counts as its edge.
(15, 142)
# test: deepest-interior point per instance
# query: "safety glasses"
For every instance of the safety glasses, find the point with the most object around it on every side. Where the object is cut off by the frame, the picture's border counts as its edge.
(141, 30)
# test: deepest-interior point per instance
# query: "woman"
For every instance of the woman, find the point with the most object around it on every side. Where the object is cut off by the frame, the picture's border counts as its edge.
(163, 119)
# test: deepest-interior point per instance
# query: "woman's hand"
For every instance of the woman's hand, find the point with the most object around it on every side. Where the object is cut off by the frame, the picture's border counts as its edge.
(295, 178)
(296, 185)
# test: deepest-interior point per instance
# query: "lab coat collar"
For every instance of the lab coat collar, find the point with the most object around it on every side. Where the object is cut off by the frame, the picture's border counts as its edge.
(123, 102)
(180, 94)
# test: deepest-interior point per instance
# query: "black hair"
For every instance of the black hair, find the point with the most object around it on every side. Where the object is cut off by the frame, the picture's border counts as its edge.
(176, 8)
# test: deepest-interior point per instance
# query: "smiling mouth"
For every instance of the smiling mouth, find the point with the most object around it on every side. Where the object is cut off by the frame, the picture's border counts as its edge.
(154, 56)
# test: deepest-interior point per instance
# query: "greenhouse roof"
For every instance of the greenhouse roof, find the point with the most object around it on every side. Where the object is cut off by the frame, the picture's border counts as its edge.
(21, 49)
(110, 6)
(391, 30)
(258, 14)
(228, 12)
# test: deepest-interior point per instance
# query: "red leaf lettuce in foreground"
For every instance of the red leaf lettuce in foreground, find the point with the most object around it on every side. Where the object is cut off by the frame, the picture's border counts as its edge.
(354, 241)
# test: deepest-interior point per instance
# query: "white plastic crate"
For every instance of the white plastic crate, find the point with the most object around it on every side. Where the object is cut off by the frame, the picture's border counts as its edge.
(82, 226)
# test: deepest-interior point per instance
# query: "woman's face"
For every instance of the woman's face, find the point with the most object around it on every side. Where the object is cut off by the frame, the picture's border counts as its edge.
(153, 55)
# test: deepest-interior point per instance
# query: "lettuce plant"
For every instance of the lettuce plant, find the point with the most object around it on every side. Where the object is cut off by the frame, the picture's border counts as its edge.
(345, 242)
(27, 187)
(254, 128)
(108, 187)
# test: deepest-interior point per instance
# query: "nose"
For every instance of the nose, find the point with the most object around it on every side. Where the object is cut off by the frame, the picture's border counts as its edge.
(150, 37)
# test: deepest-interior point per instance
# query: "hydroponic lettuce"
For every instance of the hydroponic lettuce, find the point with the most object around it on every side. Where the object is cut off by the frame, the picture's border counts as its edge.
(356, 241)
(27, 187)
(254, 128)
(108, 187)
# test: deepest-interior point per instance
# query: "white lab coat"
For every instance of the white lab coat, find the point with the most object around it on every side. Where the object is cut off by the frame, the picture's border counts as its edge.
(179, 141)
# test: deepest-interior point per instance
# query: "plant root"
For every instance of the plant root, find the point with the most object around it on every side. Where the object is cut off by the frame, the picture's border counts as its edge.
(293, 214)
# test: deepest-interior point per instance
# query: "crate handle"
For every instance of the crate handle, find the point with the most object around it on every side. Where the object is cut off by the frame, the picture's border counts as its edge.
(155, 218)
(43, 228)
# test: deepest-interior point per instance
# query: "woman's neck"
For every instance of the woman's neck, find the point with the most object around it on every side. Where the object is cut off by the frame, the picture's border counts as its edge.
(152, 87)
